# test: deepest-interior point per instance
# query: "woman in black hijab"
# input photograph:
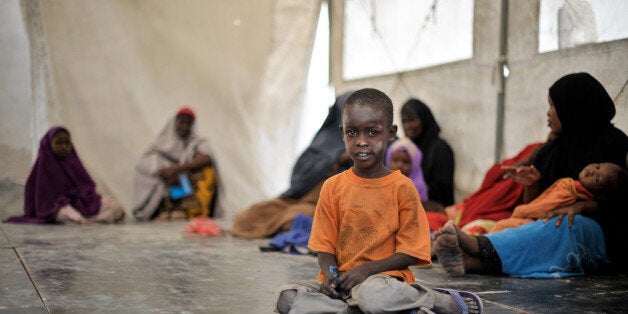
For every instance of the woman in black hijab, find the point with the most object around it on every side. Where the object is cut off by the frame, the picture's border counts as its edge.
(585, 111)
(580, 114)
(324, 157)
(438, 158)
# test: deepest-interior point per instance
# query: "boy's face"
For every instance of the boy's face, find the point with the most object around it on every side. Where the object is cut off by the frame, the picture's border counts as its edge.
(366, 133)
(62, 144)
(596, 177)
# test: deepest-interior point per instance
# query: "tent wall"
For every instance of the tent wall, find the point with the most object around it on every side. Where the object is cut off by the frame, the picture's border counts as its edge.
(463, 95)
(115, 71)
(15, 94)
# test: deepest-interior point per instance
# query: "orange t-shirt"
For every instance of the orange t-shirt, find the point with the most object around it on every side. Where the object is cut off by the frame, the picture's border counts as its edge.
(361, 220)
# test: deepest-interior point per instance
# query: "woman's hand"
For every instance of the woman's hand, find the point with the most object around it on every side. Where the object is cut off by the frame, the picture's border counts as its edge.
(570, 210)
(524, 175)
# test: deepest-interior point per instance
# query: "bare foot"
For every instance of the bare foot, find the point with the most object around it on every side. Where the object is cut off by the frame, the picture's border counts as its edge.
(67, 214)
(448, 251)
(110, 211)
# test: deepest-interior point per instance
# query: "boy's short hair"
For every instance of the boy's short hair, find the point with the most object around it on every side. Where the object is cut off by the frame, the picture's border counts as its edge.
(374, 97)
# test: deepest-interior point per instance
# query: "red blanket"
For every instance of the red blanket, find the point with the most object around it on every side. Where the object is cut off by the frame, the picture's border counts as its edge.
(496, 198)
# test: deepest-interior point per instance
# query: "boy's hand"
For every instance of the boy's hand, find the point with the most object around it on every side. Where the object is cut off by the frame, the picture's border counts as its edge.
(328, 287)
(354, 277)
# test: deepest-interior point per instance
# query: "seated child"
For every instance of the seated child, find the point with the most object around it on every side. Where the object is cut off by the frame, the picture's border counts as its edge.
(596, 182)
(405, 156)
(539, 249)
(369, 227)
(59, 188)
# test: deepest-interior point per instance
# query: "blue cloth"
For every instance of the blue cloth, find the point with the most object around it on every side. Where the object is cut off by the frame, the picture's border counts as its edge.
(182, 190)
(542, 250)
(295, 240)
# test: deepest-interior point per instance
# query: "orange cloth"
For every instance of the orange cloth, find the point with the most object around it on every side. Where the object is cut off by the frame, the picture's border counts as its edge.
(496, 198)
(563, 192)
(361, 220)
(203, 225)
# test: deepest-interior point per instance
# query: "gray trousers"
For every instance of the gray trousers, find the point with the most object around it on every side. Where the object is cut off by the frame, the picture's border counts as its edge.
(377, 294)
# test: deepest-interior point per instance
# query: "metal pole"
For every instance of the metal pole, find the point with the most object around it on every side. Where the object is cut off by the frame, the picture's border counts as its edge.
(502, 66)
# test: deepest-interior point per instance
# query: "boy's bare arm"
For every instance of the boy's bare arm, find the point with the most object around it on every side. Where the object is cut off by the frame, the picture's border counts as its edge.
(358, 274)
(328, 287)
(324, 261)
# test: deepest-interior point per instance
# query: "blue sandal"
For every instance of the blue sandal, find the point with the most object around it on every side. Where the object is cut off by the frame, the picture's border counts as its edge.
(458, 295)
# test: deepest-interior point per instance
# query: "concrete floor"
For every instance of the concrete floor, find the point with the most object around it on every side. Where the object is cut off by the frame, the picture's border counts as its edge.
(158, 268)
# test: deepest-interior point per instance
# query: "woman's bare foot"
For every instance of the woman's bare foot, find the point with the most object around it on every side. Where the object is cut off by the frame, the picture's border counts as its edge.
(67, 214)
(448, 251)
(110, 211)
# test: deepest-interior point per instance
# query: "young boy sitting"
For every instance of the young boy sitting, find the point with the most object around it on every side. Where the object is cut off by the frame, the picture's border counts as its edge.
(370, 225)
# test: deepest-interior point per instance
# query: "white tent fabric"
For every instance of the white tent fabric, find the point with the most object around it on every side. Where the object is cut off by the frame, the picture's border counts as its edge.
(115, 71)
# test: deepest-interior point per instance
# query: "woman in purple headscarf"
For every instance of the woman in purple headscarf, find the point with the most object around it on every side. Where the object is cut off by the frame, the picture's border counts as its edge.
(59, 188)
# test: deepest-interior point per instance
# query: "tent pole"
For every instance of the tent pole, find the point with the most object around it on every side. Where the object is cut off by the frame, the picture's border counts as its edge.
(502, 70)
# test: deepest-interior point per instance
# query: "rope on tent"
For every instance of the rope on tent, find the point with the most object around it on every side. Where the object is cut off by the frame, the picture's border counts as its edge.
(431, 15)
(621, 91)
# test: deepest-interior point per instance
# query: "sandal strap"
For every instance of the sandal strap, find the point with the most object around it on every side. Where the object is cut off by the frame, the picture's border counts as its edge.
(457, 297)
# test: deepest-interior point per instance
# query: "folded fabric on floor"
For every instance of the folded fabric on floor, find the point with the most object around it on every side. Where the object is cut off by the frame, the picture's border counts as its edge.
(295, 240)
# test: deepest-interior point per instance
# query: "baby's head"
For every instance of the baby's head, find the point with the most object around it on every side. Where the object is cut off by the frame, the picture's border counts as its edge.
(367, 127)
(604, 180)
(61, 143)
